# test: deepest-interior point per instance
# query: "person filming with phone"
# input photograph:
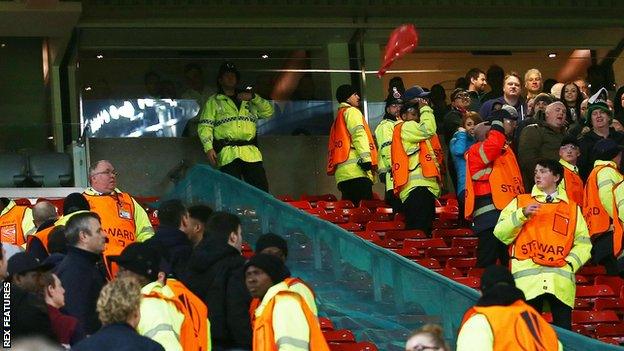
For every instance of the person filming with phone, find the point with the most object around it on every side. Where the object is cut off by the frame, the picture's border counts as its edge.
(227, 128)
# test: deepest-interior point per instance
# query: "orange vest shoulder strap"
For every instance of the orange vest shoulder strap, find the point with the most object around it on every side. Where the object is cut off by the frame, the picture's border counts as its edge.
(399, 158)
(339, 142)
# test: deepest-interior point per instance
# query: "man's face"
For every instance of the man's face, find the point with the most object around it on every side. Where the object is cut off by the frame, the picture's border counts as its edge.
(534, 83)
(569, 153)
(555, 116)
(410, 115)
(57, 292)
(462, 100)
(354, 100)
(584, 107)
(393, 109)
(544, 178)
(104, 178)
(600, 118)
(95, 239)
(28, 281)
(510, 126)
(511, 88)
(272, 250)
(236, 239)
(257, 281)
(228, 80)
(540, 106)
(196, 230)
(480, 83)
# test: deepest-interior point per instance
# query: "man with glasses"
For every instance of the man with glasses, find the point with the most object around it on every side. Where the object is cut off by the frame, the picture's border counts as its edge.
(124, 221)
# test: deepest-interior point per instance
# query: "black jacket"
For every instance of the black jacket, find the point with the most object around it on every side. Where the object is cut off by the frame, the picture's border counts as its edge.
(585, 162)
(118, 337)
(216, 276)
(29, 314)
(175, 248)
(82, 279)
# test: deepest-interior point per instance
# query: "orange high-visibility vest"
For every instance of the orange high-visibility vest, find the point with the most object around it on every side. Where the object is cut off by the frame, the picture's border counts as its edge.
(255, 302)
(340, 143)
(42, 236)
(597, 218)
(548, 236)
(264, 336)
(195, 315)
(517, 327)
(187, 338)
(427, 159)
(117, 216)
(505, 181)
(574, 186)
(11, 231)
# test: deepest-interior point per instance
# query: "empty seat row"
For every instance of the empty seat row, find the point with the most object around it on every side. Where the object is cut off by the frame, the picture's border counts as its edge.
(45, 169)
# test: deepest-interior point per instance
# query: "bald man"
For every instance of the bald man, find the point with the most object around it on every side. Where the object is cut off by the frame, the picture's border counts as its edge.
(44, 215)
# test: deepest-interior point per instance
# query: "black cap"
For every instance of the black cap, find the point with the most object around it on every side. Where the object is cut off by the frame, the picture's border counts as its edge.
(415, 92)
(75, 202)
(271, 265)
(606, 149)
(570, 140)
(498, 114)
(23, 262)
(457, 92)
(344, 92)
(496, 275)
(228, 66)
(141, 259)
(271, 240)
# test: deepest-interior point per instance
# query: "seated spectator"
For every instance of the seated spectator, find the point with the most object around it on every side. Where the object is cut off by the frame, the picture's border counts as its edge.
(44, 215)
(16, 222)
(460, 143)
(283, 320)
(216, 276)
(161, 313)
(273, 244)
(118, 308)
(428, 337)
(198, 217)
(67, 329)
(81, 277)
(487, 323)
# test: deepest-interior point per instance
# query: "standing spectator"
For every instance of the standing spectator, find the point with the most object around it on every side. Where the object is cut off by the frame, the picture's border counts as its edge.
(533, 82)
(571, 183)
(548, 84)
(79, 273)
(227, 129)
(118, 307)
(493, 178)
(476, 88)
(16, 222)
(67, 329)
(495, 75)
(618, 103)
(501, 303)
(512, 90)
(536, 115)
(599, 205)
(541, 140)
(197, 88)
(352, 152)
(549, 243)
(283, 320)
(579, 128)
(572, 97)
(599, 119)
(460, 143)
(216, 276)
(198, 218)
(437, 96)
(460, 101)
(428, 337)
(124, 221)
(383, 137)
(415, 168)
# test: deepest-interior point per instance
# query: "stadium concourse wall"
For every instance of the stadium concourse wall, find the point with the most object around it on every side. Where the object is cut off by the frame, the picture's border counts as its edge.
(378, 294)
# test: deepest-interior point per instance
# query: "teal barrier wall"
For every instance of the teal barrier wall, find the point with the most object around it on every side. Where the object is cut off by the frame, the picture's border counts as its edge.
(378, 294)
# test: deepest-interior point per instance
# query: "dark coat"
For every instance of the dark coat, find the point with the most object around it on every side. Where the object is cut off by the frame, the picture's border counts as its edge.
(29, 315)
(82, 280)
(118, 337)
(216, 276)
(537, 141)
(175, 248)
(585, 162)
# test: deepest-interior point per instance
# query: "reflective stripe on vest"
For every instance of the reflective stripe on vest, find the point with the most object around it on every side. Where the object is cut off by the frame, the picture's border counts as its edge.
(573, 186)
(504, 177)
(290, 281)
(548, 236)
(194, 333)
(596, 216)
(517, 327)
(400, 161)
(264, 336)
(11, 231)
(340, 143)
(117, 216)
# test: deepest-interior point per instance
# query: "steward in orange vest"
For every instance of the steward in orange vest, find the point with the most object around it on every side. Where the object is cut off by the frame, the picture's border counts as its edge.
(493, 179)
(352, 154)
(549, 243)
(196, 326)
(502, 321)
(572, 183)
(600, 208)
(16, 222)
(283, 319)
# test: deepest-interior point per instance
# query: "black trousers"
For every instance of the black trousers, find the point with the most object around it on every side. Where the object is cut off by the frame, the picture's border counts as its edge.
(356, 189)
(393, 201)
(419, 209)
(602, 253)
(490, 249)
(561, 313)
(250, 172)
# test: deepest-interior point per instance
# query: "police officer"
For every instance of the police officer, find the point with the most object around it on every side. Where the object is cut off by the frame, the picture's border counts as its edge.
(227, 128)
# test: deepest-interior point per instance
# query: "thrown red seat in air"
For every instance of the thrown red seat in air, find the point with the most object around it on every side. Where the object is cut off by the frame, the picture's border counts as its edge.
(430, 263)
(405, 234)
(358, 346)
(385, 226)
(594, 291)
(326, 324)
(339, 336)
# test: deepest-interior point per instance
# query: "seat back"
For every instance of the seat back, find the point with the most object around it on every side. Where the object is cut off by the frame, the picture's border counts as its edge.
(50, 169)
(13, 170)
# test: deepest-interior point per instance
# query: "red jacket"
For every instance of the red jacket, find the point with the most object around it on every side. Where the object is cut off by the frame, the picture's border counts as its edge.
(491, 148)
(66, 328)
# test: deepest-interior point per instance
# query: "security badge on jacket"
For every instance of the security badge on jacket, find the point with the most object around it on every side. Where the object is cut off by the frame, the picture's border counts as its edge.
(124, 210)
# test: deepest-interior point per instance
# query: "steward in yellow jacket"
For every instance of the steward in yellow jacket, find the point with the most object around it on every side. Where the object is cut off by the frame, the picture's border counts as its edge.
(16, 222)
(352, 155)
(227, 128)
(383, 137)
(549, 243)
(416, 171)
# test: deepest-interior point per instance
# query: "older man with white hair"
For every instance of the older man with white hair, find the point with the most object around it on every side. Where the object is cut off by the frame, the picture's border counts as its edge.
(541, 141)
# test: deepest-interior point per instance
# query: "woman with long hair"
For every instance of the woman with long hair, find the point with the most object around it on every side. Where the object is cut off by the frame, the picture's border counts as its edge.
(571, 97)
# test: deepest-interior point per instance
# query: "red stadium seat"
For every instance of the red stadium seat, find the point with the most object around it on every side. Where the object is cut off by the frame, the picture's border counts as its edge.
(578, 328)
(465, 242)
(352, 211)
(452, 233)
(358, 346)
(23, 202)
(405, 234)
(592, 271)
(594, 291)
(316, 211)
(616, 329)
(285, 198)
(384, 210)
(422, 244)
(461, 263)
(373, 203)
(368, 235)
(331, 205)
(361, 218)
(410, 252)
(315, 198)
(303, 205)
(430, 263)
(385, 226)
(471, 282)
(613, 341)
(609, 303)
(594, 317)
(339, 336)
(444, 253)
(352, 227)
(444, 223)
(381, 217)
(581, 280)
(451, 273)
(388, 243)
(616, 283)
(326, 324)
(333, 217)
(476, 272)
(583, 304)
